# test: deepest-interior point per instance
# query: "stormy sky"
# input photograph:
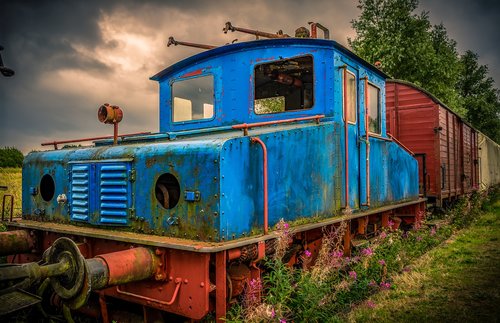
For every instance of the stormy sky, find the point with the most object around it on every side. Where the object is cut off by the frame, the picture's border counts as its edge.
(72, 56)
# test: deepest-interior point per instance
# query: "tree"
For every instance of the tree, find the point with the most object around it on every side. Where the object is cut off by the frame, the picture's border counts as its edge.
(481, 98)
(408, 46)
(11, 157)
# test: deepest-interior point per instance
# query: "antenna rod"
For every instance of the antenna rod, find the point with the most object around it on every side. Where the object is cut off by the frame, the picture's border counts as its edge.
(172, 41)
(257, 33)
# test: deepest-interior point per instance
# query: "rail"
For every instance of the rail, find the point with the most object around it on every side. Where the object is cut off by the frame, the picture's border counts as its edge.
(401, 144)
(60, 142)
(246, 126)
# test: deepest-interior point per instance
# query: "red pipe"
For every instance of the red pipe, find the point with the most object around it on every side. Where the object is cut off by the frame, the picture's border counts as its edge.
(55, 143)
(246, 126)
(15, 242)
(264, 171)
(346, 141)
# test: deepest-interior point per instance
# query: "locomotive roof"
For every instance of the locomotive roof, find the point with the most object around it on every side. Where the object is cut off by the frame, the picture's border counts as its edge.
(263, 43)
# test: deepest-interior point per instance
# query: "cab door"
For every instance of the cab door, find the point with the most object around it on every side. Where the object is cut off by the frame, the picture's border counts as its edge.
(351, 136)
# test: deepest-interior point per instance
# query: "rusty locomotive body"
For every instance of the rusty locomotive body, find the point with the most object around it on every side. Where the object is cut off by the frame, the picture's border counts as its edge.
(177, 221)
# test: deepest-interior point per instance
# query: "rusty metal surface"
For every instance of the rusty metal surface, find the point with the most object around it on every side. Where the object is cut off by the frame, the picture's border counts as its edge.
(185, 292)
(229, 27)
(130, 265)
(17, 241)
(172, 41)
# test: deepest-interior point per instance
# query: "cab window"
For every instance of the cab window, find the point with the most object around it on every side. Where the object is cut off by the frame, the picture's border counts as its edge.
(193, 99)
(349, 96)
(284, 85)
(374, 119)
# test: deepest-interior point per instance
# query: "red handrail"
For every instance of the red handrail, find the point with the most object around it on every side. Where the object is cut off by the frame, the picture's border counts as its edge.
(246, 126)
(55, 143)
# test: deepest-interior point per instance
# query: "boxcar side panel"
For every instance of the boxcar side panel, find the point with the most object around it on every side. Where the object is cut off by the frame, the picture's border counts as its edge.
(489, 161)
(411, 120)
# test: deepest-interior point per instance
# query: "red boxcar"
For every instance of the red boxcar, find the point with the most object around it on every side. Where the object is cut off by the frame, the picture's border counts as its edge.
(445, 145)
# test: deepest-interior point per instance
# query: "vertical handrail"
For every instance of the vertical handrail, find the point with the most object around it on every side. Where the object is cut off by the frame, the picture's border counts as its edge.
(264, 171)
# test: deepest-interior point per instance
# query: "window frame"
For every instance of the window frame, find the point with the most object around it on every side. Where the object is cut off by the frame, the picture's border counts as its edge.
(344, 71)
(180, 79)
(286, 111)
(379, 108)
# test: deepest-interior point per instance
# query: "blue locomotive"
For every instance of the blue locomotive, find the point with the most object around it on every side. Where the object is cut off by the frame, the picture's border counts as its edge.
(249, 133)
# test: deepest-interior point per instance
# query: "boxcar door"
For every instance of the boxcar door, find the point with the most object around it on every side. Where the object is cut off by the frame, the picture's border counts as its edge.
(350, 104)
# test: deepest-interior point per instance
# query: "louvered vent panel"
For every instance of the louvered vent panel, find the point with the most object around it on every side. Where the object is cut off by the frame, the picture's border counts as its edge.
(80, 179)
(113, 194)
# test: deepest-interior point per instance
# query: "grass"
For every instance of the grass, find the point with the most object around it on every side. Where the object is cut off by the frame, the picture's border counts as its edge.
(11, 177)
(456, 282)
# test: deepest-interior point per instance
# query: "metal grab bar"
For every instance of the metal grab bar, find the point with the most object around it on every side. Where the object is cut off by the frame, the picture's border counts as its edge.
(178, 282)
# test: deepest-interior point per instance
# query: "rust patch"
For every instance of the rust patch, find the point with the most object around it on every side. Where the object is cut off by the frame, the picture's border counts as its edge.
(150, 162)
(193, 73)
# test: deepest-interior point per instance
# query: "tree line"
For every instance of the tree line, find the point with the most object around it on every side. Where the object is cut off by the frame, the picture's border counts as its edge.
(412, 49)
(11, 157)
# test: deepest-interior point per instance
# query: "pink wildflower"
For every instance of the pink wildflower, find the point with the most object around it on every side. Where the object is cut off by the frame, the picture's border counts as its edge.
(370, 304)
(433, 231)
(353, 275)
(307, 253)
(385, 285)
(356, 259)
(337, 254)
(390, 223)
(383, 235)
(372, 283)
(282, 321)
(367, 252)
(381, 262)
(286, 226)
(419, 238)
(273, 313)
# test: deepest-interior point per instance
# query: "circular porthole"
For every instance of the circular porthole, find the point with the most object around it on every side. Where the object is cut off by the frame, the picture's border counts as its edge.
(167, 191)
(47, 187)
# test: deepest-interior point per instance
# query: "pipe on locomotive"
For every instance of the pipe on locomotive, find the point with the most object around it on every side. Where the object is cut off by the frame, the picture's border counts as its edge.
(17, 241)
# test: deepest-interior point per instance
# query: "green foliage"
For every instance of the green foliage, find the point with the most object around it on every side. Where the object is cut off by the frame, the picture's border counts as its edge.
(480, 97)
(408, 46)
(297, 295)
(411, 49)
(11, 157)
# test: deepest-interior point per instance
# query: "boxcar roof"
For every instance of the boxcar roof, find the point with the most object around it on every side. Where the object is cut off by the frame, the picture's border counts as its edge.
(431, 96)
(263, 43)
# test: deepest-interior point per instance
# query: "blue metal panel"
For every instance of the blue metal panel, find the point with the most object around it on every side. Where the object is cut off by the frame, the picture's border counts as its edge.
(303, 171)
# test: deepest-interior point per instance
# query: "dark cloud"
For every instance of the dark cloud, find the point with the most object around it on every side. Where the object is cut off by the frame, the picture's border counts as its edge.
(72, 56)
